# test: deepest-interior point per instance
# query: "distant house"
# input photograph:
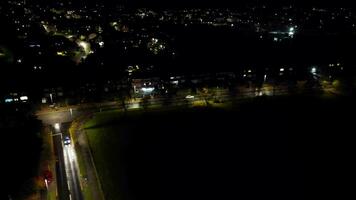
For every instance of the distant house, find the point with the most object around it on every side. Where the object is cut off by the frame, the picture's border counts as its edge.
(146, 85)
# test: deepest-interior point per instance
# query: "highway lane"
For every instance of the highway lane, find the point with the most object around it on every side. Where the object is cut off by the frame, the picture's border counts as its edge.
(67, 170)
(72, 173)
(71, 166)
(62, 186)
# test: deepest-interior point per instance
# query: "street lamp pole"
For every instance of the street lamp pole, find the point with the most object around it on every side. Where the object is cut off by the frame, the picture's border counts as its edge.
(51, 97)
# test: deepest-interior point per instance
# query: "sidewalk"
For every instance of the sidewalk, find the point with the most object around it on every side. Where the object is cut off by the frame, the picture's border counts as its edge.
(47, 166)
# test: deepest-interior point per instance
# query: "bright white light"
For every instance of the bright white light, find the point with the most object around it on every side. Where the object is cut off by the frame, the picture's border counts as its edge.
(281, 69)
(265, 77)
(83, 44)
(61, 53)
(101, 44)
(189, 97)
(249, 71)
(313, 70)
(147, 89)
(291, 31)
(57, 126)
(24, 98)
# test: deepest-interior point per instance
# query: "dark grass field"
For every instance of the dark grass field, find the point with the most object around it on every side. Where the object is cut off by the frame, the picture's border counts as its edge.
(284, 148)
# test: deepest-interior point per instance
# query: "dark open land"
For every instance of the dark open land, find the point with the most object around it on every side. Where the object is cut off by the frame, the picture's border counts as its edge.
(283, 148)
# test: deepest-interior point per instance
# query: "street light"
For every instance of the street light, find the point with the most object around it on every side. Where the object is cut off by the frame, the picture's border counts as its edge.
(57, 126)
(51, 97)
(313, 70)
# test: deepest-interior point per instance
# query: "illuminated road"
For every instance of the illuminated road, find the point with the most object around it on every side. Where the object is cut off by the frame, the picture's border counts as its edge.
(71, 166)
(72, 171)
(63, 115)
(69, 181)
(68, 176)
(67, 170)
(61, 177)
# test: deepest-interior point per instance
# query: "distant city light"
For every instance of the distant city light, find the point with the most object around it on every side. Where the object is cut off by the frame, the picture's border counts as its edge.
(281, 69)
(291, 31)
(24, 98)
(61, 53)
(8, 100)
(147, 89)
(83, 44)
(101, 44)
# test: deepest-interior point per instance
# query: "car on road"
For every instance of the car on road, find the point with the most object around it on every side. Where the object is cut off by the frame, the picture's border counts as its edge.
(66, 140)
